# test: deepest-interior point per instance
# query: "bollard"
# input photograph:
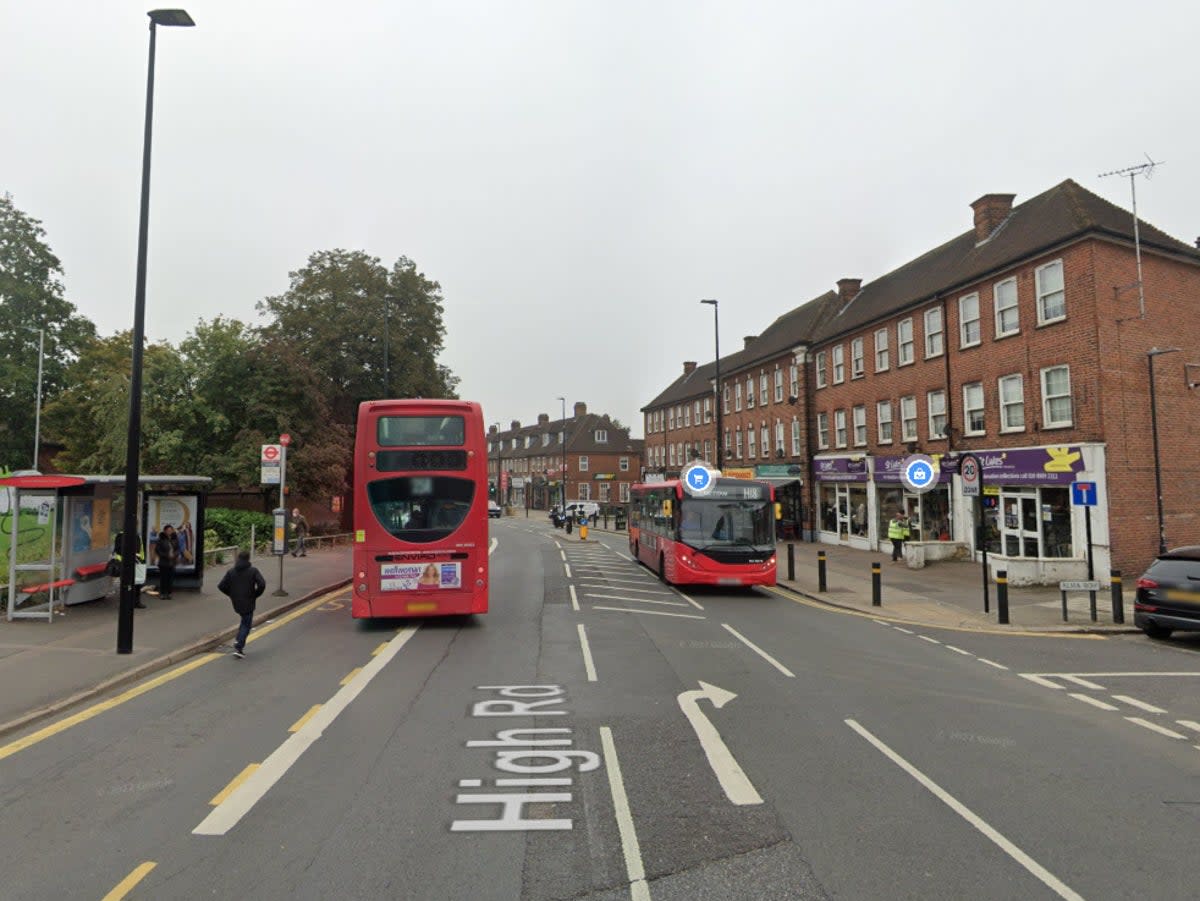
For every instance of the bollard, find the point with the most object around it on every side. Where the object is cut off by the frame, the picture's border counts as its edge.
(1002, 595)
(791, 563)
(583, 531)
(876, 586)
(1118, 599)
(820, 571)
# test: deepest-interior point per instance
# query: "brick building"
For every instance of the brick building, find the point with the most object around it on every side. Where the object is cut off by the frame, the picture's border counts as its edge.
(601, 460)
(1025, 340)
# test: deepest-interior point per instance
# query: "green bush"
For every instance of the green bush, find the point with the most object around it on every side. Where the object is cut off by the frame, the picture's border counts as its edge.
(228, 528)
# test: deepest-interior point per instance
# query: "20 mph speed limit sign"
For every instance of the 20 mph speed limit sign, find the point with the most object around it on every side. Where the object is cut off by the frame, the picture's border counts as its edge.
(971, 472)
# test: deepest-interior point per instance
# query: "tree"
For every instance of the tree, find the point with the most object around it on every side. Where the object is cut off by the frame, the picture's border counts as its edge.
(31, 298)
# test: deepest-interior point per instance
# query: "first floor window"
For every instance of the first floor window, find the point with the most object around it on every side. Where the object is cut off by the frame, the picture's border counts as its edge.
(1056, 396)
(937, 414)
(585, 491)
(860, 426)
(883, 413)
(779, 440)
(624, 492)
(1012, 403)
(604, 489)
(823, 430)
(908, 418)
(750, 440)
(795, 437)
(839, 427)
(624, 464)
(765, 444)
(738, 439)
(583, 463)
(973, 423)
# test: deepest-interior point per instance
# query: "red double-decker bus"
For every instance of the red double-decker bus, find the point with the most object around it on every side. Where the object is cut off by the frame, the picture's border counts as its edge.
(723, 537)
(420, 509)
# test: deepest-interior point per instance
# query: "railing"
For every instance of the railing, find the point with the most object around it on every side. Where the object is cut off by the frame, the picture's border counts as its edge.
(263, 548)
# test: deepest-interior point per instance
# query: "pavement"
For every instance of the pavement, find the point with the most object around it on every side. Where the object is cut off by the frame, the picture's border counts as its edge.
(49, 667)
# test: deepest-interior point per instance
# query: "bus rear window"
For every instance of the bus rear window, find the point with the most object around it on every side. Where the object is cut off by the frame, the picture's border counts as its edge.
(421, 508)
(420, 431)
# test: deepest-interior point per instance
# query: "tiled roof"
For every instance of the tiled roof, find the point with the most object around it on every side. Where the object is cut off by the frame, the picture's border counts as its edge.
(1064, 213)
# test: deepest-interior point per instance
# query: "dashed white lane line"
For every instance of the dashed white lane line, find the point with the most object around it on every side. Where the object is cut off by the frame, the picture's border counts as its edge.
(951, 647)
(689, 600)
(761, 653)
(583, 584)
(648, 612)
(567, 567)
(1088, 699)
(992, 663)
(1049, 879)
(1189, 724)
(574, 600)
(619, 597)
(589, 665)
(1140, 705)
(928, 639)
(1045, 683)
(634, 868)
(905, 631)
(1084, 683)
(1154, 727)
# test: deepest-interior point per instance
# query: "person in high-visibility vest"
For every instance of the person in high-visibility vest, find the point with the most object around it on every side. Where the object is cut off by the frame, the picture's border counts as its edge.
(898, 533)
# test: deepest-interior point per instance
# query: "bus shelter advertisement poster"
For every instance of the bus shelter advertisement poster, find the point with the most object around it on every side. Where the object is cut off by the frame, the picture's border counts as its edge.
(412, 576)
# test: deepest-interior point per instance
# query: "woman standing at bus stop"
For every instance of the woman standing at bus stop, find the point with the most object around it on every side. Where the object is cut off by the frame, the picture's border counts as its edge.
(166, 551)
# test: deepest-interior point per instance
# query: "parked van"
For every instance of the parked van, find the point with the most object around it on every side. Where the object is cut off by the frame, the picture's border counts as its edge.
(590, 509)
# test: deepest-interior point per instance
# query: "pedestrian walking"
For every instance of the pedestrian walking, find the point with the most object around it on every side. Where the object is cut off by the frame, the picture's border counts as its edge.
(244, 584)
(898, 532)
(166, 553)
(300, 530)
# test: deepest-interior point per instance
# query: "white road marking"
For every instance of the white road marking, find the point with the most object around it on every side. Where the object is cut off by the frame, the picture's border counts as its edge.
(752, 646)
(951, 647)
(492, 545)
(568, 570)
(991, 663)
(1189, 724)
(1084, 682)
(1140, 705)
(562, 554)
(688, 599)
(927, 638)
(588, 665)
(617, 597)
(1049, 879)
(1087, 699)
(905, 631)
(227, 814)
(1154, 727)
(634, 868)
(574, 600)
(1045, 683)
(1101, 675)
(880, 622)
(648, 612)
(733, 779)
(623, 587)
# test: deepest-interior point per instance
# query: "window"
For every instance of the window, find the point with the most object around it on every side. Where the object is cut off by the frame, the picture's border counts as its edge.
(881, 350)
(1051, 299)
(765, 442)
(1008, 322)
(708, 409)
(725, 400)
(1012, 403)
(727, 445)
(583, 463)
(624, 493)
(839, 427)
(696, 412)
(545, 439)
(562, 437)
(671, 419)
(1056, 396)
(751, 440)
(839, 364)
(860, 426)
(738, 440)
(601, 436)
(820, 369)
(750, 393)
(795, 437)
(973, 423)
(822, 430)
(605, 487)
(762, 388)
(904, 342)
(937, 414)
(687, 415)
(883, 414)
(623, 464)
(857, 364)
(778, 385)
(933, 332)
(908, 418)
(737, 397)
(794, 380)
(968, 320)
(780, 445)
(585, 491)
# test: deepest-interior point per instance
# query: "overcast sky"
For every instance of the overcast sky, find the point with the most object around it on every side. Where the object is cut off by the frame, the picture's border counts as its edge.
(577, 176)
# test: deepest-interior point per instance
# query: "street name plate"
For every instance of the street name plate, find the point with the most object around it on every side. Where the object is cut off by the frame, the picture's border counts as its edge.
(1079, 586)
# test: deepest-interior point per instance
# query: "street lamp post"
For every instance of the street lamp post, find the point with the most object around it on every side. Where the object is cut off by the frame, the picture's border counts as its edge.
(1158, 492)
(129, 545)
(717, 343)
(496, 425)
(387, 342)
(37, 411)
(562, 476)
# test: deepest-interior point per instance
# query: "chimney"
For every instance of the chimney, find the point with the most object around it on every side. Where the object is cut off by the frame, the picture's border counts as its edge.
(749, 339)
(990, 211)
(543, 418)
(580, 408)
(493, 429)
(516, 424)
(689, 366)
(848, 289)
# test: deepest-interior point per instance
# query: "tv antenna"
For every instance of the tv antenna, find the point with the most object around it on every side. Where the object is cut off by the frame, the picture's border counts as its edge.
(1146, 169)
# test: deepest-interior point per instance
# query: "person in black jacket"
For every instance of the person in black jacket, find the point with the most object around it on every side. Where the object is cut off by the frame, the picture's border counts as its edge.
(166, 551)
(243, 584)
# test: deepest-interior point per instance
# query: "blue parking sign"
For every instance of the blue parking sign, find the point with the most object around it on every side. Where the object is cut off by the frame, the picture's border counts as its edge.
(1083, 494)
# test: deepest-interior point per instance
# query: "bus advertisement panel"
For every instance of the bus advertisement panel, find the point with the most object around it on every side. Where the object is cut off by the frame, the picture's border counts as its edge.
(420, 509)
(724, 537)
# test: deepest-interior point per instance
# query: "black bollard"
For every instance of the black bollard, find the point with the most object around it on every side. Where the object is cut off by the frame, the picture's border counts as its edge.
(791, 562)
(876, 586)
(1118, 598)
(821, 571)
(1002, 595)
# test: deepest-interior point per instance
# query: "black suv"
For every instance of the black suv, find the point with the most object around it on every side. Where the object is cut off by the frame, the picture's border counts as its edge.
(1168, 594)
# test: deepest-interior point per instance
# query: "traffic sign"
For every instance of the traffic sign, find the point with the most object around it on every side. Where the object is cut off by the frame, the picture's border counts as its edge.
(285, 439)
(698, 479)
(1083, 494)
(271, 465)
(972, 475)
(271, 453)
(918, 473)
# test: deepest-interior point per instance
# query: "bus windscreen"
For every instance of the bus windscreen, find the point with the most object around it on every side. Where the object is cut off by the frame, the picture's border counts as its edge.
(709, 523)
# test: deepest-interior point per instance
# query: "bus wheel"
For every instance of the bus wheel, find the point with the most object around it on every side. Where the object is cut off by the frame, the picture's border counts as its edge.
(662, 569)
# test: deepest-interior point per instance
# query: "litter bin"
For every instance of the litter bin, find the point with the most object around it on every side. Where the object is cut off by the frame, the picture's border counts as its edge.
(619, 522)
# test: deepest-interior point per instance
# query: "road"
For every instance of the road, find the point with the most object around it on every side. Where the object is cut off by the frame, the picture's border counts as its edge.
(598, 735)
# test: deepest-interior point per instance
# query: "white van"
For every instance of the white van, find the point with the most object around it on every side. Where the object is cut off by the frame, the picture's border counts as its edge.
(590, 509)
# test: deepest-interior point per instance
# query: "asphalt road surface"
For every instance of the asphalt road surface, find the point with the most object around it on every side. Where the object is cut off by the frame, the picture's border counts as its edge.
(599, 735)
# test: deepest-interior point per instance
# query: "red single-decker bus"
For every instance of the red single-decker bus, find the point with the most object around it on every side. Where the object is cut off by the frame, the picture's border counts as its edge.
(420, 509)
(723, 537)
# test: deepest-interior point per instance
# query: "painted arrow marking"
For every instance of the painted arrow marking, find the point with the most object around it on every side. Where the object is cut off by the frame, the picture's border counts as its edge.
(736, 785)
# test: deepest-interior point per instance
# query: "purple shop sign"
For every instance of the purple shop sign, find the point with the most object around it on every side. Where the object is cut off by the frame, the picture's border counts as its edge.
(1028, 466)
(840, 469)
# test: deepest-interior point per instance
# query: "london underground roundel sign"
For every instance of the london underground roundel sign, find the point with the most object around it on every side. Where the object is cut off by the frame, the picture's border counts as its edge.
(918, 473)
(699, 479)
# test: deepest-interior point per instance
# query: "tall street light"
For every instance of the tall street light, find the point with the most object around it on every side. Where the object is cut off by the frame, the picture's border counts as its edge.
(37, 413)
(717, 342)
(499, 447)
(129, 544)
(1158, 492)
(388, 299)
(562, 476)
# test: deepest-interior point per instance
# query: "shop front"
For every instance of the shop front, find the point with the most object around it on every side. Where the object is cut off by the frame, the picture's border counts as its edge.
(843, 501)
(788, 483)
(930, 515)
